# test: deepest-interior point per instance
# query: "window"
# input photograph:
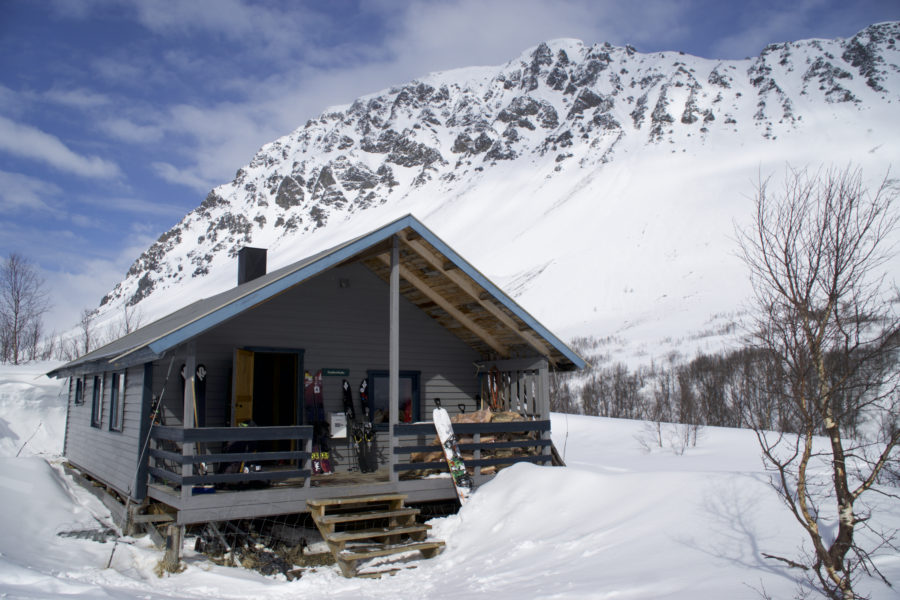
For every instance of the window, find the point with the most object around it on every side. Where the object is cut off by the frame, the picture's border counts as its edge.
(97, 401)
(79, 390)
(379, 394)
(116, 400)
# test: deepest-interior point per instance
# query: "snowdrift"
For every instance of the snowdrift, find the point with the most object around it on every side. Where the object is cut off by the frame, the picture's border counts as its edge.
(618, 522)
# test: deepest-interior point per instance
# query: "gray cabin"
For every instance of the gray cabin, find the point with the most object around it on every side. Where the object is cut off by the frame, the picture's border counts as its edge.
(208, 410)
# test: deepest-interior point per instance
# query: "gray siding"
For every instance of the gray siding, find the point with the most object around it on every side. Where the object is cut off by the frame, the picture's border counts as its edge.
(336, 327)
(348, 328)
(110, 456)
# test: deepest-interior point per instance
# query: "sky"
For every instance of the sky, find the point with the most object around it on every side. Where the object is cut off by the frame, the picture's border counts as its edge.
(118, 117)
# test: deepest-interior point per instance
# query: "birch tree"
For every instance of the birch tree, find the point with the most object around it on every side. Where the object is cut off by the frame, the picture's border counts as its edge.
(23, 303)
(825, 311)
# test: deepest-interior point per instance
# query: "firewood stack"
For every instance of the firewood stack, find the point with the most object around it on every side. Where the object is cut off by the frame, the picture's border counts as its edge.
(481, 416)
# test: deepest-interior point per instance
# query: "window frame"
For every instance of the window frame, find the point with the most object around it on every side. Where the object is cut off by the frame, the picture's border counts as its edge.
(97, 401)
(117, 401)
(415, 408)
(79, 391)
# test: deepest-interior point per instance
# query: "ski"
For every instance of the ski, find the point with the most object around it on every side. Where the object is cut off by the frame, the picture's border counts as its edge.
(370, 437)
(461, 479)
(321, 426)
(320, 462)
(356, 429)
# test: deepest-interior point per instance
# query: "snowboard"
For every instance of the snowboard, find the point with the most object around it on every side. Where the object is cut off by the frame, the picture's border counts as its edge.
(322, 425)
(461, 479)
(315, 415)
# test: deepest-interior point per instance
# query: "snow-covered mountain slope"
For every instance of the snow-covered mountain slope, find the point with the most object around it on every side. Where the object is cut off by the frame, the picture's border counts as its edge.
(597, 184)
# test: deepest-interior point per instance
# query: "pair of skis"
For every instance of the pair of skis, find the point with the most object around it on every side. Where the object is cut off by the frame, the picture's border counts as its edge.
(362, 432)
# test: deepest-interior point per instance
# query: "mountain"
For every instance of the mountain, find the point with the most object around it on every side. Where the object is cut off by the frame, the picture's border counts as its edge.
(599, 185)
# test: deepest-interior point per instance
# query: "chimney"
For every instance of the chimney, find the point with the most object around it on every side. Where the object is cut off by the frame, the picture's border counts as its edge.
(251, 264)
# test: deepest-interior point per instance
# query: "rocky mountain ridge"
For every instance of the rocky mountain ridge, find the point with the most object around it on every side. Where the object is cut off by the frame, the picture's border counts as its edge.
(562, 112)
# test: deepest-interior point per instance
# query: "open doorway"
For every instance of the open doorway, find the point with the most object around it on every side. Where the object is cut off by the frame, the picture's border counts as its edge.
(267, 387)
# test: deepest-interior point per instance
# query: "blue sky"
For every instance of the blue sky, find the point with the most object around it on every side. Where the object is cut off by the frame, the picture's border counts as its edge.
(117, 117)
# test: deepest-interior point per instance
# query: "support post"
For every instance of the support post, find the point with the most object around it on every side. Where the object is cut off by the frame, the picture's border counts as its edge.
(544, 404)
(187, 448)
(171, 562)
(394, 355)
(544, 387)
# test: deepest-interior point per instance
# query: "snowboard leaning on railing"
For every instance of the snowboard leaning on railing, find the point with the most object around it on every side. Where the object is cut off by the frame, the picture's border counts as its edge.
(461, 479)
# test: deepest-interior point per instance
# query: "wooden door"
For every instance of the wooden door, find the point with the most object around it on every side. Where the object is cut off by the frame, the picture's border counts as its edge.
(243, 386)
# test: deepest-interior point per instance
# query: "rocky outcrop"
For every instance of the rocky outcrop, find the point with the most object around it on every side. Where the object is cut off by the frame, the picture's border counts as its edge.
(561, 100)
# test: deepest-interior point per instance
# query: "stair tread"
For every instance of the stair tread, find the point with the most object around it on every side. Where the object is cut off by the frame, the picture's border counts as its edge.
(365, 516)
(354, 500)
(379, 574)
(344, 536)
(348, 555)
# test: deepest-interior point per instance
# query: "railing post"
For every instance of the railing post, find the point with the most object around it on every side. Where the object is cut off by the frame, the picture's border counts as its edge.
(308, 446)
(476, 439)
(394, 355)
(187, 448)
(544, 386)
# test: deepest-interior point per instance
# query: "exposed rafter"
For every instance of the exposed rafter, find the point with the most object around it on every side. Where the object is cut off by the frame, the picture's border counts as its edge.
(482, 297)
(415, 281)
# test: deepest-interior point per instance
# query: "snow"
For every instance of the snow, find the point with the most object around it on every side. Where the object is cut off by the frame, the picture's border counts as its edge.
(628, 234)
(618, 522)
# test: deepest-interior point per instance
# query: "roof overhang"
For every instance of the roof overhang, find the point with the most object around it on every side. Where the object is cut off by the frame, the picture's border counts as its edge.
(433, 277)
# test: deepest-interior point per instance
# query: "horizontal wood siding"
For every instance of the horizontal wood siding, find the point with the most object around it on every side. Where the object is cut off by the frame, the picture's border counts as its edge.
(338, 327)
(109, 456)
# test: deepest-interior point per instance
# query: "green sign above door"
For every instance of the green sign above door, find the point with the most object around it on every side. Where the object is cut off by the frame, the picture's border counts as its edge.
(336, 372)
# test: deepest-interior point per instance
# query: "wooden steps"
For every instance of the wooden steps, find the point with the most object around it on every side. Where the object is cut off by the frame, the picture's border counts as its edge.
(368, 515)
(370, 527)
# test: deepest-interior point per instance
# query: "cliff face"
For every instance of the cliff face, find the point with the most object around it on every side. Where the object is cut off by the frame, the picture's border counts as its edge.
(564, 124)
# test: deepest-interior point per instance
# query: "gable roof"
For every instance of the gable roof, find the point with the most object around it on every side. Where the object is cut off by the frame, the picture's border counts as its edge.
(433, 276)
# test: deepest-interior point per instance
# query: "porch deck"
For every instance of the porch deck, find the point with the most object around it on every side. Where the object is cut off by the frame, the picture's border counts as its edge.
(284, 482)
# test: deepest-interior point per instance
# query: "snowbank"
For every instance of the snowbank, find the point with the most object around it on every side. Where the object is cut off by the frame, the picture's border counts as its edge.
(32, 410)
(618, 522)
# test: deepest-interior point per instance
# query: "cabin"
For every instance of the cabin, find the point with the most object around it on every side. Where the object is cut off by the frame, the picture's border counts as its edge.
(221, 410)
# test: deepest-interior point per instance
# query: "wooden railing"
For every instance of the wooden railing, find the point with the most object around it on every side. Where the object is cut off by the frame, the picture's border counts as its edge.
(533, 443)
(193, 458)
(200, 468)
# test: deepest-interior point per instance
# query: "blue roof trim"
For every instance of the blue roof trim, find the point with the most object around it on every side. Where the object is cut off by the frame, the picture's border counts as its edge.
(237, 306)
(508, 302)
(276, 287)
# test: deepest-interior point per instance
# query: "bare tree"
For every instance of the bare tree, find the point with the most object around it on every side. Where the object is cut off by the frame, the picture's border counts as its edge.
(131, 319)
(23, 302)
(816, 255)
(86, 324)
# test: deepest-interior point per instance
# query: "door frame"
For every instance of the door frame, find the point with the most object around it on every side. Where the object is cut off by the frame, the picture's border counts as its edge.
(298, 401)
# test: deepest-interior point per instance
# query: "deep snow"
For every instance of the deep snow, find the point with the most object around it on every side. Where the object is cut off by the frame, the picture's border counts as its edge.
(618, 522)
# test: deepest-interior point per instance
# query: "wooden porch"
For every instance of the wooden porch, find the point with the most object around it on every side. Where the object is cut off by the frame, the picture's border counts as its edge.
(191, 473)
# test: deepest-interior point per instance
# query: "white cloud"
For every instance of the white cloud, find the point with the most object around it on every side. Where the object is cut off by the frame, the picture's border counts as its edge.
(137, 206)
(22, 192)
(77, 275)
(32, 143)
(77, 98)
(185, 177)
(118, 71)
(129, 131)
(767, 25)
